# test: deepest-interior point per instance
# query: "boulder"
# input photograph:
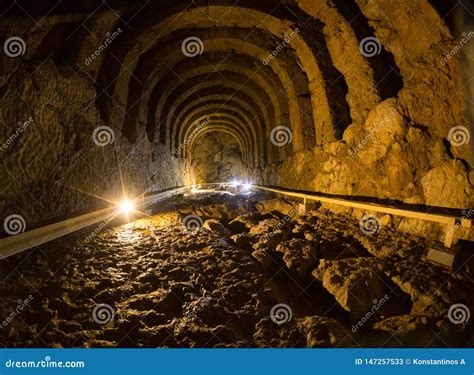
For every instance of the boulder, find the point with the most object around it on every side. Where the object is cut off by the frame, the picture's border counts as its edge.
(321, 331)
(267, 226)
(271, 239)
(382, 128)
(265, 259)
(215, 226)
(245, 222)
(450, 178)
(280, 205)
(243, 240)
(356, 285)
(299, 256)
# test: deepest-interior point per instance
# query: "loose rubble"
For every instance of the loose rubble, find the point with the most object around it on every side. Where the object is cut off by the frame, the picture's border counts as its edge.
(168, 286)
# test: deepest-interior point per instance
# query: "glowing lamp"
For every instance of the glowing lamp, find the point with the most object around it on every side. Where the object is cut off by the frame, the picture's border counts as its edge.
(247, 186)
(126, 206)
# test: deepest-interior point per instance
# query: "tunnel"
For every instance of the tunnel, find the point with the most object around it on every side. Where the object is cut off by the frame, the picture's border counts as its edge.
(236, 173)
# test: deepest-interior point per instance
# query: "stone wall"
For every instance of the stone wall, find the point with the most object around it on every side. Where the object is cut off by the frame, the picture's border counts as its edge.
(216, 158)
(56, 160)
(388, 158)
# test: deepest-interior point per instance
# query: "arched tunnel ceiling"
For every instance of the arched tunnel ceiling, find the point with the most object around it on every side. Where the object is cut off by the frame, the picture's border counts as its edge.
(258, 65)
(204, 66)
(300, 75)
(145, 76)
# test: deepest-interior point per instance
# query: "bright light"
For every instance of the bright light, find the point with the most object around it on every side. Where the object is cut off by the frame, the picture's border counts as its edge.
(126, 206)
(235, 183)
(247, 186)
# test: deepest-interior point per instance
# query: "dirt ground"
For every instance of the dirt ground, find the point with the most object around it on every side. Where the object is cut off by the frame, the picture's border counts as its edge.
(216, 270)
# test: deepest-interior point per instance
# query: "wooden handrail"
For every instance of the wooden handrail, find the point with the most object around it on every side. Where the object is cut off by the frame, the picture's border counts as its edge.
(26, 240)
(36, 237)
(450, 221)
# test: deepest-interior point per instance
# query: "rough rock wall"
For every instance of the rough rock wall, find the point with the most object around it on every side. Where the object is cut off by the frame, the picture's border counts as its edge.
(217, 157)
(52, 162)
(390, 157)
(401, 150)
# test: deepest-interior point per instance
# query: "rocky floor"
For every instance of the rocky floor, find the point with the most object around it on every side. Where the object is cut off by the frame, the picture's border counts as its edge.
(244, 271)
